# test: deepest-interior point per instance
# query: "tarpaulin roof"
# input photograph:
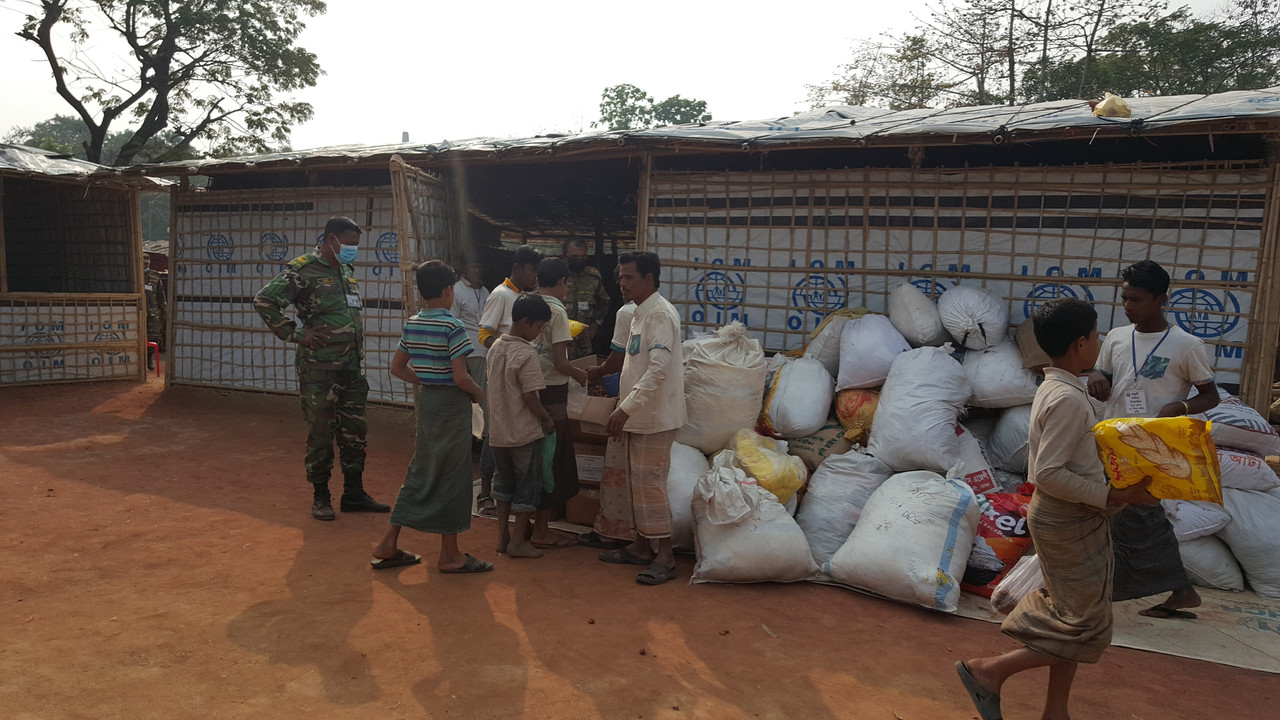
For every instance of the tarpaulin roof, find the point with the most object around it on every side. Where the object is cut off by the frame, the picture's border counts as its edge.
(30, 162)
(839, 126)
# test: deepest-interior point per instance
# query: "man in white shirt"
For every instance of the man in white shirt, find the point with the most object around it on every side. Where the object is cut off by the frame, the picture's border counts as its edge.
(469, 297)
(650, 412)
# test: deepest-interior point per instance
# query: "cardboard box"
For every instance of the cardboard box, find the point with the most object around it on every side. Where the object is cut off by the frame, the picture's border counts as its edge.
(590, 457)
(590, 409)
(581, 509)
(586, 363)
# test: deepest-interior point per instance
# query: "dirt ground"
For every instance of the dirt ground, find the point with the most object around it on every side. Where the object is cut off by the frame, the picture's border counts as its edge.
(159, 561)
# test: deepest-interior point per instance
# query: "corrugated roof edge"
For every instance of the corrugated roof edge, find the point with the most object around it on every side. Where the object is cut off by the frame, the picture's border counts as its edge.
(1235, 112)
(24, 161)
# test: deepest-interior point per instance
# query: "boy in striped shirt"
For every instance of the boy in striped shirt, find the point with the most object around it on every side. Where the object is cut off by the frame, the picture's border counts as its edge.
(436, 495)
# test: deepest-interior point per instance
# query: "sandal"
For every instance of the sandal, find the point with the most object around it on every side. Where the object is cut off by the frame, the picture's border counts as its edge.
(622, 557)
(400, 559)
(472, 565)
(561, 541)
(1164, 613)
(656, 574)
(486, 507)
(985, 702)
(594, 539)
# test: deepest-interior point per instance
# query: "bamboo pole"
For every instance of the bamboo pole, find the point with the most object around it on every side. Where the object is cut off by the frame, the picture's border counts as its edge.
(4, 263)
(136, 275)
(171, 287)
(642, 202)
(1258, 371)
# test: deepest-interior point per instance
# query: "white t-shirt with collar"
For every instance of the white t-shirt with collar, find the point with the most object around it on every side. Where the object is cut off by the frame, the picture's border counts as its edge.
(1169, 364)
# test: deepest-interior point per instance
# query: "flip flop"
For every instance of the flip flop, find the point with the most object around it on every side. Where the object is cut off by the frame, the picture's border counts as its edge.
(986, 702)
(622, 557)
(472, 565)
(594, 539)
(561, 541)
(656, 574)
(400, 559)
(486, 507)
(1161, 612)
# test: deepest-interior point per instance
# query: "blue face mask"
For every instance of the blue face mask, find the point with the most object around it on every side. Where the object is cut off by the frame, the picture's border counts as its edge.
(347, 253)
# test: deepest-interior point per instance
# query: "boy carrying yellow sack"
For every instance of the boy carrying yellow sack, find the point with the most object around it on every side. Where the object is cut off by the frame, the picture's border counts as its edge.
(1177, 452)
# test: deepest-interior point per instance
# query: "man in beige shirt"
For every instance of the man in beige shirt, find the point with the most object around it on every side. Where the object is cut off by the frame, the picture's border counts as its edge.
(649, 414)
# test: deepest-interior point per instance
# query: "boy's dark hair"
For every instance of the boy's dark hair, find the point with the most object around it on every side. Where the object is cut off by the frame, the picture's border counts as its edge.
(1060, 322)
(551, 271)
(433, 277)
(338, 225)
(574, 242)
(526, 255)
(530, 307)
(1147, 275)
(646, 263)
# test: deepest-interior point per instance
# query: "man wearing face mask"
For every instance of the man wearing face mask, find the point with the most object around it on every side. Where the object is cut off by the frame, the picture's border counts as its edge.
(329, 362)
(587, 301)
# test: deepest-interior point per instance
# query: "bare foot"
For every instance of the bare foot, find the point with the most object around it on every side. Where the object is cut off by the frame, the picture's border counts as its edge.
(382, 552)
(504, 538)
(981, 672)
(519, 548)
(1182, 599)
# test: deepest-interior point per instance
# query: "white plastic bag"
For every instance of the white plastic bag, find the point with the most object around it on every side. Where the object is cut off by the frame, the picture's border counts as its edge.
(1209, 563)
(723, 387)
(825, 346)
(868, 346)
(1023, 579)
(687, 466)
(998, 378)
(1254, 537)
(766, 461)
(1010, 442)
(916, 316)
(974, 317)
(1245, 471)
(912, 541)
(744, 534)
(837, 492)
(799, 401)
(1192, 519)
(1236, 425)
(915, 425)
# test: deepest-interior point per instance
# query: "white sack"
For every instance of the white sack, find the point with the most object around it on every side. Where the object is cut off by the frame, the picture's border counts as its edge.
(916, 316)
(998, 378)
(743, 533)
(1023, 579)
(1236, 425)
(826, 347)
(1254, 537)
(837, 491)
(1010, 441)
(915, 426)
(800, 400)
(868, 346)
(971, 464)
(723, 387)
(982, 428)
(1209, 563)
(1192, 519)
(974, 317)
(912, 541)
(1245, 471)
(687, 466)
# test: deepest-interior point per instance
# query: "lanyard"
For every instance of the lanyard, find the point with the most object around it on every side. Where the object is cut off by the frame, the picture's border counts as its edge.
(1133, 345)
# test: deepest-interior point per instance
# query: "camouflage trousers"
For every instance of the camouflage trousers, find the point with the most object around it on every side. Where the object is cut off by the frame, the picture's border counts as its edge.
(155, 330)
(333, 404)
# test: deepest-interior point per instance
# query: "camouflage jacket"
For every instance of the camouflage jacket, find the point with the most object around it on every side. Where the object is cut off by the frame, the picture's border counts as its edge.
(323, 296)
(156, 301)
(587, 301)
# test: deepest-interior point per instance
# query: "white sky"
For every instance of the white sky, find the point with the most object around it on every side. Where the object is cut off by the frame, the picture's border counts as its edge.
(502, 68)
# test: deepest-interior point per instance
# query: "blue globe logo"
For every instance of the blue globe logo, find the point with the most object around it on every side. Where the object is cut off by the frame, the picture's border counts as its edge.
(1203, 313)
(1051, 291)
(387, 249)
(274, 247)
(108, 337)
(42, 338)
(719, 290)
(932, 288)
(220, 248)
(817, 294)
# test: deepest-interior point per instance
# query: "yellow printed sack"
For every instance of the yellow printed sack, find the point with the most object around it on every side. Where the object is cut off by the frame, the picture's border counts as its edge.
(576, 328)
(1177, 452)
(766, 460)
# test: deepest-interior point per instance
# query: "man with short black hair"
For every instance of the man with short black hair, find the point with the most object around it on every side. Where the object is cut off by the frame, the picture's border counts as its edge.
(587, 301)
(331, 380)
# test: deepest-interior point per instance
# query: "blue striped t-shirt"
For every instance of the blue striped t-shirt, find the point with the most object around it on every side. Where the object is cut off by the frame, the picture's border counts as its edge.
(432, 339)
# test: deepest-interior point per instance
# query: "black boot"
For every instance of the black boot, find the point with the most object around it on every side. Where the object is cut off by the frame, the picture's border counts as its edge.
(322, 504)
(355, 499)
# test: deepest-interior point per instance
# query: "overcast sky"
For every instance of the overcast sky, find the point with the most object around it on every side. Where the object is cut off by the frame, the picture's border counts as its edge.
(459, 70)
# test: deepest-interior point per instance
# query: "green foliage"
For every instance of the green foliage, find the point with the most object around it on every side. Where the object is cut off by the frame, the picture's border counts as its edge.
(627, 107)
(202, 71)
(676, 110)
(68, 135)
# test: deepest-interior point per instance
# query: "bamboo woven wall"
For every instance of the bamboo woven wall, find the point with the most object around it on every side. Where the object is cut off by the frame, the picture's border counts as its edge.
(780, 250)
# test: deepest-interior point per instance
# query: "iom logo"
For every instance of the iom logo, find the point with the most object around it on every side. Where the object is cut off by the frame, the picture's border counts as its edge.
(274, 247)
(1045, 292)
(815, 296)
(40, 339)
(387, 249)
(1203, 313)
(930, 287)
(720, 290)
(220, 248)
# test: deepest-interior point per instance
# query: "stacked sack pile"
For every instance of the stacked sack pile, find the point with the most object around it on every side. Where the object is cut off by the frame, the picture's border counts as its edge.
(892, 457)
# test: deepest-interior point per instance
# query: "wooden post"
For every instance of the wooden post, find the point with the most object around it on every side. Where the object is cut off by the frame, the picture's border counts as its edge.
(642, 201)
(134, 198)
(171, 287)
(4, 264)
(1258, 370)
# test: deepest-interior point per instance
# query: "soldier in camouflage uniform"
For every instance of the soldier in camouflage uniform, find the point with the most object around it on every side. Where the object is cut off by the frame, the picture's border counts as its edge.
(331, 378)
(587, 301)
(157, 306)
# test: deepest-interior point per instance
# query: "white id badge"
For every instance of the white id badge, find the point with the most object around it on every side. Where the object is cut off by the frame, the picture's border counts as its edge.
(353, 300)
(148, 288)
(1135, 403)
(584, 306)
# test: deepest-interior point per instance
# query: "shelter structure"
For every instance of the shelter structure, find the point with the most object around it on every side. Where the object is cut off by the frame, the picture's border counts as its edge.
(778, 223)
(71, 298)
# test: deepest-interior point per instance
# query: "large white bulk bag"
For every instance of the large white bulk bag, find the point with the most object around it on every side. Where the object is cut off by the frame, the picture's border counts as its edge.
(971, 464)
(1192, 519)
(836, 494)
(916, 316)
(744, 534)
(912, 541)
(915, 427)
(825, 347)
(1010, 442)
(687, 466)
(1254, 537)
(868, 346)
(799, 401)
(998, 378)
(974, 317)
(1236, 425)
(1209, 563)
(1245, 471)
(723, 387)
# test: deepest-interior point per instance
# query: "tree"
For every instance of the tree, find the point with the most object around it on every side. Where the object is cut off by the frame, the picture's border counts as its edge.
(627, 107)
(68, 135)
(207, 71)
